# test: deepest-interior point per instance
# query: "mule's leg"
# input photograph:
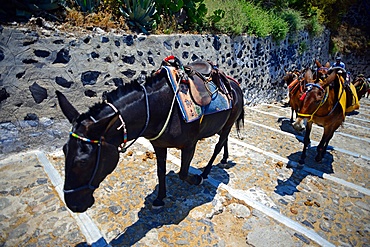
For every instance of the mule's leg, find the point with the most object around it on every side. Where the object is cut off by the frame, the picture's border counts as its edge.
(291, 115)
(161, 154)
(323, 145)
(222, 142)
(306, 142)
(187, 155)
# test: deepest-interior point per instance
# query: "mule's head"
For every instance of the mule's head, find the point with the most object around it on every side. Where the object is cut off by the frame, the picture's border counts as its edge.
(306, 98)
(89, 156)
(322, 71)
(290, 76)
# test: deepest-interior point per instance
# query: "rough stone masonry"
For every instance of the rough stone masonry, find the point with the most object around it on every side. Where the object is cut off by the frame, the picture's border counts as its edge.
(36, 62)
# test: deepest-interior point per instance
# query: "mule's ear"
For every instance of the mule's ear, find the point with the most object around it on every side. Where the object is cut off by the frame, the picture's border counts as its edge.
(329, 79)
(67, 108)
(308, 75)
(318, 64)
(327, 65)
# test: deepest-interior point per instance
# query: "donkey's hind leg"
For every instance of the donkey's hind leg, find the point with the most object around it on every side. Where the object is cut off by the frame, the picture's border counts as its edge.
(226, 153)
(222, 142)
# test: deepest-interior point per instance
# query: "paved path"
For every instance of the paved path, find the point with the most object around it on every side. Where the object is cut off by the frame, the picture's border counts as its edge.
(260, 198)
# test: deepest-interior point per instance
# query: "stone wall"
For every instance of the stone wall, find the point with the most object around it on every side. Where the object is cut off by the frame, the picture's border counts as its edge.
(35, 63)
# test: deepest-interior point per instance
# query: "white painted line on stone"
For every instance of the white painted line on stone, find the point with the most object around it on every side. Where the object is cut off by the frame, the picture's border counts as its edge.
(364, 114)
(312, 142)
(278, 157)
(86, 224)
(358, 126)
(346, 123)
(310, 170)
(315, 126)
(257, 205)
(276, 216)
(359, 119)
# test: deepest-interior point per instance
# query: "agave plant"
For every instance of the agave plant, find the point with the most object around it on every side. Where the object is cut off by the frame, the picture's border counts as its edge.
(88, 6)
(139, 13)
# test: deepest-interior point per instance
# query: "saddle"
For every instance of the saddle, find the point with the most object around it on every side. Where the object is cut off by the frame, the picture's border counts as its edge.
(197, 75)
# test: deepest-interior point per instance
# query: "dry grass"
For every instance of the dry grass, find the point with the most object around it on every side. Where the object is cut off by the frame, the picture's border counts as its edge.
(103, 19)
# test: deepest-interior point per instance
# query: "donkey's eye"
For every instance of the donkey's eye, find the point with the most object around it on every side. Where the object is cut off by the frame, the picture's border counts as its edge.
(81, 163)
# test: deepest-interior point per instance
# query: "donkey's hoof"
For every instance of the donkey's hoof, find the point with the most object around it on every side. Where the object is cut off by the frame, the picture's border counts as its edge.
(199, 180)
(157, 204)
(223, 162)
(318, 159)
(300, 166)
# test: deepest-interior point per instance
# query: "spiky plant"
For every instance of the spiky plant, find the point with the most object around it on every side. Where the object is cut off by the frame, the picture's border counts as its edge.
(88, 6)
(139, 13)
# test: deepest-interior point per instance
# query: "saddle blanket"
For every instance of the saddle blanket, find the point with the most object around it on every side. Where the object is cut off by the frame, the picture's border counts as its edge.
(343, 100)
(189, 109)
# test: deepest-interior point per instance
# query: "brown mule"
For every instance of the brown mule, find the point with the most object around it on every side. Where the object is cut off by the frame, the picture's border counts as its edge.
(296, 84)
(322, 104)
(362, 86)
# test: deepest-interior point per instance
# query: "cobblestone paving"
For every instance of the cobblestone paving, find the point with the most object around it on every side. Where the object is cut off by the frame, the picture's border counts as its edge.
(31, 211)
(251, 201)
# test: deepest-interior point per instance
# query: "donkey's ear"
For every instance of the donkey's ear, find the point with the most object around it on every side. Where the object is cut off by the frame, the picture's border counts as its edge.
(67, 108)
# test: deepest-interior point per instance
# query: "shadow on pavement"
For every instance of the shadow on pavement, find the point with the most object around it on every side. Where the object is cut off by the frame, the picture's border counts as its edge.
(181, 199)
(289, 186)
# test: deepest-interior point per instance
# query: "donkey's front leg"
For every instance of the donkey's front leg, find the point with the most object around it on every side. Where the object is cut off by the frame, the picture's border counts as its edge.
(187, 155)
(161, 154)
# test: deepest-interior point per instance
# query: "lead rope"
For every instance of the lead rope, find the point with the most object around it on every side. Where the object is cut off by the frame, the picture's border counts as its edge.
(123, 125)
(169, 114)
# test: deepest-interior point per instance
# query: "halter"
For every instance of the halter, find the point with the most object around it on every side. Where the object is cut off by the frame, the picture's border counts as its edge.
(310, 86)
(89, 185)
(322, 69)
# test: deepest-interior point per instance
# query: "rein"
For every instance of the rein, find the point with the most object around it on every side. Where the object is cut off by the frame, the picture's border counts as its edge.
(170, 112)
(361, 86)
(322, 101)
(309, 88)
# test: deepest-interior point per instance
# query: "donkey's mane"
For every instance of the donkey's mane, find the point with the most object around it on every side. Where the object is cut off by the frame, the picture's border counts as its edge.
(117, 93)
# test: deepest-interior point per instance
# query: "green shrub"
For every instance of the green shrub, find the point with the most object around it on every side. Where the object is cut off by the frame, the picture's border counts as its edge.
(302, 47)
(294, 19)
(280, 28)
(314, 25)
(233, 20)
(193, 18)
(258, 20)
